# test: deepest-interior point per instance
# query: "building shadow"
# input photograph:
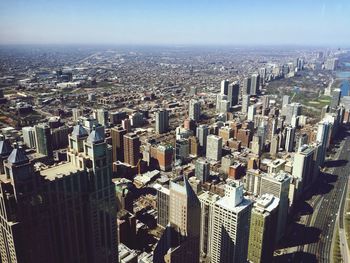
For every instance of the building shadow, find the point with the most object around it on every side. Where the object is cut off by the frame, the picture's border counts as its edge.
(304, 208)
(299, 234)
(335, 163)
(296, 257)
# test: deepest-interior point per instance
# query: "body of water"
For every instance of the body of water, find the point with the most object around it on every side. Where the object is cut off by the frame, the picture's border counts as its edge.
(345, 88)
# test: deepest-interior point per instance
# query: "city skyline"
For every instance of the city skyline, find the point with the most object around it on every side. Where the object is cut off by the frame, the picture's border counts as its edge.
(175, 23)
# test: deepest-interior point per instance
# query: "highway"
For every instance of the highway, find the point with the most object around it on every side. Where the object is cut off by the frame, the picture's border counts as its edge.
(326, 206)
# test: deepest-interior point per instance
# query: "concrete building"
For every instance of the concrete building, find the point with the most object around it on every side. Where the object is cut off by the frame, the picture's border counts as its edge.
(214, 147)
(162, 121)
(278, 185)
(131, 149)
(44, 140)
(290, 138)
(194, 110)
(29, 137)
(207, 200)
(162, 205)
(251, 112)
(255, 84)
(202, 170)
(233, 94)
(230, 229)
(202, 133)
(245, 103)
(263, 229)
(117, 135)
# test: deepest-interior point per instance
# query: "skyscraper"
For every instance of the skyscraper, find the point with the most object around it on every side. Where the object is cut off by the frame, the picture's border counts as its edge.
(336, 94)
(194, 110)
(180, 240)
(162, 121)
(162, 205)
(102, 117)
(285, 101)
(202, 169)
(323, 137)
(263, 229)
(131, 149)
(43, 140)
(202, 133)
(246, 86)
(5, 151)
(207, 200)
(255, 83)
(303, 166)
(224, 87)
(290, 137)
(245, 103)
(230, 230)
(81, 190)
(29, 137)
(278, 185)
(214, 147)
(117, 135)
(251, 112)
(233, 94)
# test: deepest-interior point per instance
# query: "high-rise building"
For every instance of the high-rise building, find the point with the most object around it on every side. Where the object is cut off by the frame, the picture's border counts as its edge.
(233, 94)
(290, 137)
(285, 100)
(214, 147)
(251, 112)
(263, 229)
(219, 98)
(194, 146)
(255, 83)
(278, 185)
(182, 150)
(194, 110)
(202, 134)
(76, 113)
(245, 103)
(224, 87)
(336, 94)
(230, 230)
(37, 226)
(246, 86)
(274, 146)
(303, 166)
(162, 121)
(323, 137)
(117, 135)
(207, 200)
(29, 137)
(202, 169)
(162, 205)
(44, 140)
(102, 117)
(180, 240)
(131, 149)
(5, 151)
(165, 157)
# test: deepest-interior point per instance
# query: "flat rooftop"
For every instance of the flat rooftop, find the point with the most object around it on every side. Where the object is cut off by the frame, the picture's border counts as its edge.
(59, 171)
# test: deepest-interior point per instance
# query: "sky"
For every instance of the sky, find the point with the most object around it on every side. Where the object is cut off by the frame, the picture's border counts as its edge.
(176, 22)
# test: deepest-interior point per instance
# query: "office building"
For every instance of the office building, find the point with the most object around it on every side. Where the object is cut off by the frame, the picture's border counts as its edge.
(263, 229)
(202, 133)
(117, 135)
(233, 94)
(194, 110)
(5, 151)
(29, 138)
(246, 86)
(251, 112)
(245, 103)
(202, 169)
(230, 229)
(162, 121)
(180, 240)
(24, 236)
(278, 185)
(324, 130)
(255, 83)
(182, 150)
(224, 87)
(207, 200)
(303, 165)
(102, 117)
(76, 113)
(285, 100)
(131, 149)
(290, 137)
(274, 145)
(162, 205)
(214, 147)
(44, 140)
(336, 94)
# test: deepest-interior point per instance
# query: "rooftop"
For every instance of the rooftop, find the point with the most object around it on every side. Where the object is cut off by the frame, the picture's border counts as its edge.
(59, 171)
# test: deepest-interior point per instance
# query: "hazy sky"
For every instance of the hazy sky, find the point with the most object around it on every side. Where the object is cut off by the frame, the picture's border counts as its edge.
(234, 22)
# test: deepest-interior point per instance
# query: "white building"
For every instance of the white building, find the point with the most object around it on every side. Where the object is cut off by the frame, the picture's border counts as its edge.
(214, 147)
